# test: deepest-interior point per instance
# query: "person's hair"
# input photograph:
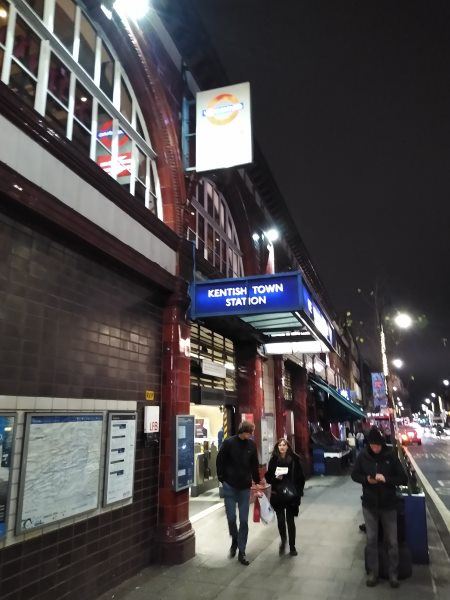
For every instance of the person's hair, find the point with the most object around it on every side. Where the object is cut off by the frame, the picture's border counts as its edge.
(246, 427)
(289, 451)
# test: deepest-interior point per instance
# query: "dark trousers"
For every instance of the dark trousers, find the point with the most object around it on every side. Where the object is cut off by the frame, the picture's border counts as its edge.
(233, 496)
(388, 520)
(286, 515)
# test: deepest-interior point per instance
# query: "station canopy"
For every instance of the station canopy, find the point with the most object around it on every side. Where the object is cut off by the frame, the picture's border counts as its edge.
(280, 307)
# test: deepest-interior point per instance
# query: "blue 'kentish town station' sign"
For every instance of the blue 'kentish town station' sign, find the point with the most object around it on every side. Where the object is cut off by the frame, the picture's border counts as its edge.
(247, 296)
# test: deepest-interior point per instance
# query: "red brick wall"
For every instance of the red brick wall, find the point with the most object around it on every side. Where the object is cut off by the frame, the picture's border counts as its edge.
(73, 326)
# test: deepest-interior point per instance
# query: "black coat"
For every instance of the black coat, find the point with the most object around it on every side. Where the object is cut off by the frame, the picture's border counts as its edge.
(237, 463)
(379, 495)
(294, 475)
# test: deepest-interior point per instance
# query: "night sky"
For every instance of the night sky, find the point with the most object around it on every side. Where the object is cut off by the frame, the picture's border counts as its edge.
(351, 107)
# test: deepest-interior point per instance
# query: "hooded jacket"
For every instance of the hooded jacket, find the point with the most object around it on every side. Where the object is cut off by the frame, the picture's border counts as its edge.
(379, 495)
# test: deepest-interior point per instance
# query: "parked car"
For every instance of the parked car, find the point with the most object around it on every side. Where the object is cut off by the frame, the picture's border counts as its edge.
(409, 435)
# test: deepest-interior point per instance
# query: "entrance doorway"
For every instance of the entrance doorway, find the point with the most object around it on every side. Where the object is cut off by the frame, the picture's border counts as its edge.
(208, 437)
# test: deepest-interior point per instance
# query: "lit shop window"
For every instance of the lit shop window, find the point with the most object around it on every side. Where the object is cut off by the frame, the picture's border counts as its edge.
(210, 225)
(52, 56)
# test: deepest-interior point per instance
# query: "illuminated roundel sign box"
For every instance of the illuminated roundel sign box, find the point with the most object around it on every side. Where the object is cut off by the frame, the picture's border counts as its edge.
(247, 296)
(223, 136)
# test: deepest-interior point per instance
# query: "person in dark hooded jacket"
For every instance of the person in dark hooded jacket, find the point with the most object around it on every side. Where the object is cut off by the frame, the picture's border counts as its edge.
(379, 471)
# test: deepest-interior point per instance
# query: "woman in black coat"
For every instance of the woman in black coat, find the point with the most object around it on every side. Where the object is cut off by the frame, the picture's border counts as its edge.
(285, 474)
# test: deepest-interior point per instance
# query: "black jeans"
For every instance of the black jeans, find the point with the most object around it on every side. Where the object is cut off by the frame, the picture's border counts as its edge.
(283, 515)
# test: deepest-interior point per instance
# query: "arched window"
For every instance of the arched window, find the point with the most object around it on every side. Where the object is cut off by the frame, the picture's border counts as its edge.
(212, 229)
(54, 58)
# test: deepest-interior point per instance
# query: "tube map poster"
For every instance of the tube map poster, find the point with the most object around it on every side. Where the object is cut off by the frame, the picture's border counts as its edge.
(61, 468)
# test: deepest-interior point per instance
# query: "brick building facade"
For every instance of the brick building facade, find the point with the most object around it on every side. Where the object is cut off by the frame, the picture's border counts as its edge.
(97, 225)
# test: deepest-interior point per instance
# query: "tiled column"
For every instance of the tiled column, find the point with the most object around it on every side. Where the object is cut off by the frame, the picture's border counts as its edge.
(300, 397)
(177, 538)
(280, 416)
(250, 386)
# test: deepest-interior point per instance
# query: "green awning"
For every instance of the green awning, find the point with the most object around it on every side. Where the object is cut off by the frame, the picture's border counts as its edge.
(339, 407)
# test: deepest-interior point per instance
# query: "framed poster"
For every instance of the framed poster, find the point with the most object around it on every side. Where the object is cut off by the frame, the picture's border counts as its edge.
(60, 471)
(184, 451)
(7, 430)
(120, 457)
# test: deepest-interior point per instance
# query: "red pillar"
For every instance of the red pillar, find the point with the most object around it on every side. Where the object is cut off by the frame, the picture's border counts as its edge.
(280, 417)
(176, 536)
(300, 398)
(250, 387)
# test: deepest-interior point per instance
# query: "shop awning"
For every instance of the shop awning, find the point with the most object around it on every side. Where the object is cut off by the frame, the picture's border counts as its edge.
(279, 306)
(338, 407)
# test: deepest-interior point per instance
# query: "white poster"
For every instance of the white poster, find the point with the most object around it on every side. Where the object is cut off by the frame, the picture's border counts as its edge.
(60, 469)
(119, 473)
(224, 128)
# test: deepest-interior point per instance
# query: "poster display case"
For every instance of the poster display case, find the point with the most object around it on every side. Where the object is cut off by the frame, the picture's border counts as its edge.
(120, 457)
(184, 452)
(60, 474)
(7, 431)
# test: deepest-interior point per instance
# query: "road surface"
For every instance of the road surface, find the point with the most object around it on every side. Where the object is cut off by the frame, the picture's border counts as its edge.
(433, 458)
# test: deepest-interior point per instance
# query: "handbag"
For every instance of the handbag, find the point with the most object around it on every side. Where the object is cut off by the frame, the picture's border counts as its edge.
(288, 492)
(256, 511)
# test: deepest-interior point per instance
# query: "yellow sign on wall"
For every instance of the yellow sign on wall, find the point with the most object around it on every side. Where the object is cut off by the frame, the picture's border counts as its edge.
(149, 395)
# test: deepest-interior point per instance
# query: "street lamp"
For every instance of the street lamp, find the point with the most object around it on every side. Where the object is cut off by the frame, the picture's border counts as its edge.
(433, 395)
(134, 9)
(398, 363)
(446, 382)
(272, 235)
(427, 400)
(403, 320)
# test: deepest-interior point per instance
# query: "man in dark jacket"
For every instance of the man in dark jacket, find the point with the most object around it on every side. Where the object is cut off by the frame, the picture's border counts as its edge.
(380, 471)
(237, 463)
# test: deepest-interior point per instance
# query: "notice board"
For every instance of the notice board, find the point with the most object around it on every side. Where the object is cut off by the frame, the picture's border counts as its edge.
(184, 451)
(60, 471)
(120, 457)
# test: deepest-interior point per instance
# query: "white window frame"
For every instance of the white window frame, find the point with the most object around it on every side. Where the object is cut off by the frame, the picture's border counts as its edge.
(50, 43)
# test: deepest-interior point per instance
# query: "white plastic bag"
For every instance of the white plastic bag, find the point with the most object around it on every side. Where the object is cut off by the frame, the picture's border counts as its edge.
(267, 512)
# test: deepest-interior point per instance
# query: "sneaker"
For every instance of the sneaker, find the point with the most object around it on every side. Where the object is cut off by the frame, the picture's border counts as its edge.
(243, 559)
(233, 550)
(293, 552)
(393, 581)
(282, 548)
(372, 580)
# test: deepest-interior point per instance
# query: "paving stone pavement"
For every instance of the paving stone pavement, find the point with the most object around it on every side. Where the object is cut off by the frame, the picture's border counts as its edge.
(329, 565)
